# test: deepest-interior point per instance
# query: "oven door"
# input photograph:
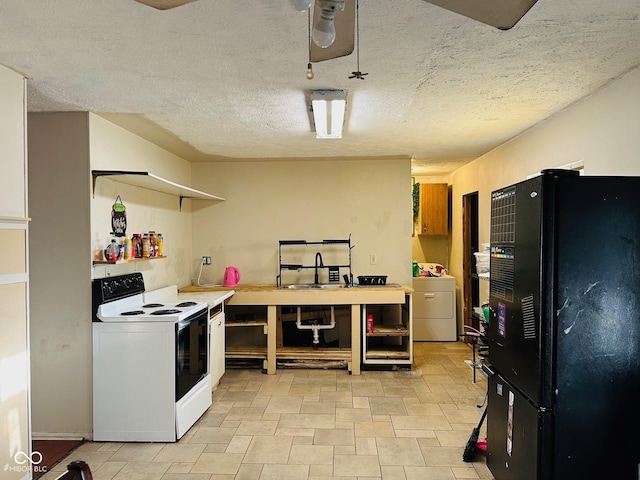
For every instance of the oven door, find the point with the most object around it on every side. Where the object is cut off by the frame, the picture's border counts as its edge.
(192, 352)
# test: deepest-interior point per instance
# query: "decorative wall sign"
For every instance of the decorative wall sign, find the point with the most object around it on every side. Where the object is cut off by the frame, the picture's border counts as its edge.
(119, 218)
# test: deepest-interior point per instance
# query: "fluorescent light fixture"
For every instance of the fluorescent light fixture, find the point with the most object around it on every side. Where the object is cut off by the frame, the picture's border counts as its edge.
(328, 108)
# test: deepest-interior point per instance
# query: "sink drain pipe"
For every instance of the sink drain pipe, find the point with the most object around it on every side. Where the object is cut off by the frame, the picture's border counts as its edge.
(316, 327)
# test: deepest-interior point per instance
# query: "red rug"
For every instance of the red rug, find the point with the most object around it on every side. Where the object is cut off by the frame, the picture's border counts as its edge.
(53, 451)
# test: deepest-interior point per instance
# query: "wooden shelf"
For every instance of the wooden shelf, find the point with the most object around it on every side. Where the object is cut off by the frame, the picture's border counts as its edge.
(400, 353)
(249, 323)
(131, 260)
(389, 331)
(310, 353)
(246, 352)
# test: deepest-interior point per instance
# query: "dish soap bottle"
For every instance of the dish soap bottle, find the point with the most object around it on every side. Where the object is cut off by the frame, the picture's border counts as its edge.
(415, 268)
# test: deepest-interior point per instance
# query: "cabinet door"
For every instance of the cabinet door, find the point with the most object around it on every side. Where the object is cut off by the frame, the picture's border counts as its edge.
(217, 348)
(433, 305)
(434, 200)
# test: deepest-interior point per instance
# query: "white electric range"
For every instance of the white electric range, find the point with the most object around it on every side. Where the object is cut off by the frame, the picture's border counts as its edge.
(151, 379)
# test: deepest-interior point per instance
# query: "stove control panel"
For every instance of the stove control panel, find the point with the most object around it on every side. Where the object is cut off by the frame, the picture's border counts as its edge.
(109, 289)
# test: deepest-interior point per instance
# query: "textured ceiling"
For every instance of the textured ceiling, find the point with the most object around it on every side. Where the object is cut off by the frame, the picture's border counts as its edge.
(227, 77)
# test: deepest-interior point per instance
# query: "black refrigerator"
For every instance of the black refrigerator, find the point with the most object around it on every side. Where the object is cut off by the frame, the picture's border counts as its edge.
(564, 329)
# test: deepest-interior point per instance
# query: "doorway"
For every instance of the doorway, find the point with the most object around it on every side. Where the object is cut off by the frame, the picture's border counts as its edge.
(471, 282)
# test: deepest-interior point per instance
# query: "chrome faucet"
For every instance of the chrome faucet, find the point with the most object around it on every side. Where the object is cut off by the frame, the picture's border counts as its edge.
(321, 265)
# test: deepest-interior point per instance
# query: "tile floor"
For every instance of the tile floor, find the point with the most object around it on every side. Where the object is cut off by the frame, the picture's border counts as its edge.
(319, 424)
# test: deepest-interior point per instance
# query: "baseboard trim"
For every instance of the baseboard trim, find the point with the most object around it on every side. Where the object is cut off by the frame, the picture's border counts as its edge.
(58, 436)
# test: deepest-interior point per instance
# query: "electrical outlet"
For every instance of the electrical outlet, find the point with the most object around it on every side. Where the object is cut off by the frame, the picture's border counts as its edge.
(373, 259)
(206, 260)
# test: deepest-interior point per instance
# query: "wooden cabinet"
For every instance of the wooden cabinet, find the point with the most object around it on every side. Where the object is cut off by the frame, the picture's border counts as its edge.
(390, 340)
(434, 309)
(434, 206)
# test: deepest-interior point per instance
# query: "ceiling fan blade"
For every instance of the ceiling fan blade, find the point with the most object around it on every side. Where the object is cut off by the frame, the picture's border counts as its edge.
(165, 4)
(345, 22)
(502, 14)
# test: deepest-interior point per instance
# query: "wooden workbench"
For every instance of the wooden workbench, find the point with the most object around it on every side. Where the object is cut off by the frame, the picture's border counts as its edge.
(272, 297)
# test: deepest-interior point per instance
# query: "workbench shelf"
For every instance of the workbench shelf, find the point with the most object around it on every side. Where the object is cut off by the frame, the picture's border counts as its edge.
(390, 341)
(246, 333)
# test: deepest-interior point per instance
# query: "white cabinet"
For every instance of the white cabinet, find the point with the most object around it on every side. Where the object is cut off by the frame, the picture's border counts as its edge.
(434, 309)
(216, 343)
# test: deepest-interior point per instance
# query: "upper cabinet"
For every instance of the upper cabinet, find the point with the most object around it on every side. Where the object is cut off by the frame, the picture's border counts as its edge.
(12, 138)
(434, 205)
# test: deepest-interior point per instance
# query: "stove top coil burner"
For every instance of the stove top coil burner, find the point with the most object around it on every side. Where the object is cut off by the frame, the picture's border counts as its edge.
(133, 312)
(152, 305)
(166, 311)
(186, 304)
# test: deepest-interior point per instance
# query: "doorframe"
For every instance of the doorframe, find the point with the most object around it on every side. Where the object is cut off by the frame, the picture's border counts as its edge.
(471, 282)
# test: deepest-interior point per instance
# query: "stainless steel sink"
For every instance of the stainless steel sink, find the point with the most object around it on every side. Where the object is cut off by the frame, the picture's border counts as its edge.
(317, 286)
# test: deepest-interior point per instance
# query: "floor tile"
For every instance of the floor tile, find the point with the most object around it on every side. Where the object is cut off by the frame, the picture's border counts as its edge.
(265, 449)
(334, 436)
(257, 427)
(399, 451)
(311, 455)
(178, 452)
(356, 466)
(218, 463)
(284, 472)
(312, 424)
(142, 471)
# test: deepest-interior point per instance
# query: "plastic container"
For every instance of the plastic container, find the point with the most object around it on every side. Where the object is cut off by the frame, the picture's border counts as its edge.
(416, 268)
(146, 246)
(112, 251)
(369, 323)
(127, 248)
(372, 279)
(136, 246)
(160, 245)
(482, 261)
(153, 244)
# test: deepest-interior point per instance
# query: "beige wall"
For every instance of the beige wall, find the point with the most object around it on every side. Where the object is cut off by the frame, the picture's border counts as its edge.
(308, 200)
(113, 148)
(601, 130)
(60, 303)
(69, 224)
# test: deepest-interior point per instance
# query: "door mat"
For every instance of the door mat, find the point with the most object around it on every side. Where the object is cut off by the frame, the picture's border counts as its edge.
(53, 452)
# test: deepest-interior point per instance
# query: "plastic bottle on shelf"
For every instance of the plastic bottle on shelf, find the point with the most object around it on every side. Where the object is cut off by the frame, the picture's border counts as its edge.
(160, 245)
(155, 249)
(416, 268)
(127, 248)
(146, 246)
(370, 323)
(136, 246)
(152, 243)
(112, 250)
